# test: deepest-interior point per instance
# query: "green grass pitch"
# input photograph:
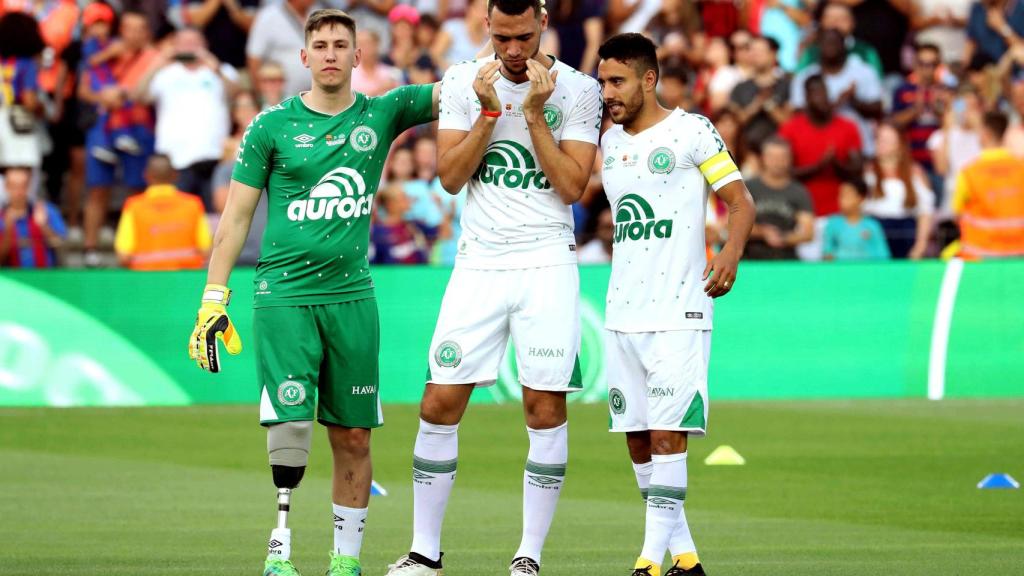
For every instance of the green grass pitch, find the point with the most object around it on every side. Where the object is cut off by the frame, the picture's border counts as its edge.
(860, 487)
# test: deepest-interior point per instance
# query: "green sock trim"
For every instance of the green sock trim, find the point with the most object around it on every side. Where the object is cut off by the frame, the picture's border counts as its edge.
(435, 466)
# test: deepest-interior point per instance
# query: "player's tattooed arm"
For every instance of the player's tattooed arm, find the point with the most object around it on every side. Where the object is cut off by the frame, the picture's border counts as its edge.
(566, 165)
(721, 270)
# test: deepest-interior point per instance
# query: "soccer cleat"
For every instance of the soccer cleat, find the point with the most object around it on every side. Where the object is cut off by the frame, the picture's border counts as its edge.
(344, 566)
(279, 567)
(675, 570)
(415, 564)
(645, 567)
(523, 566)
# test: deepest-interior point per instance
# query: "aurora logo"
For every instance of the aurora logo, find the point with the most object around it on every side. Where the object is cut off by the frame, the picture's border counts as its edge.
(340, 193)
(635, 220)
(510, 164)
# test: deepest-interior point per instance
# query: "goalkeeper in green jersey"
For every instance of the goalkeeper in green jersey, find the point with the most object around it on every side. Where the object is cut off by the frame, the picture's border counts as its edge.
(319, 155)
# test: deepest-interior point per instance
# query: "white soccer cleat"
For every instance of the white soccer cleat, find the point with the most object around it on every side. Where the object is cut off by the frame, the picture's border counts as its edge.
(406, 566)
(524, 566)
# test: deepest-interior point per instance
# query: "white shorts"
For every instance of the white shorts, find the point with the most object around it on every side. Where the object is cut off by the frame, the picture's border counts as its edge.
(538, 307)
(658, 380)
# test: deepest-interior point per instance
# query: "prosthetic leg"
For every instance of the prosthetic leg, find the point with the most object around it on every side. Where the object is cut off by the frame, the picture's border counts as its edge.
(288, 445)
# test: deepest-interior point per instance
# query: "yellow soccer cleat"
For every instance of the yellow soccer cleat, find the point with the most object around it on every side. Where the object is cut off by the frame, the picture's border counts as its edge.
(645, 567)
(212, 323)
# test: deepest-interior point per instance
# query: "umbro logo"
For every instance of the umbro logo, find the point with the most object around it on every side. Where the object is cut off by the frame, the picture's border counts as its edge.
(416, 474)
(276, 543)
(304, 140)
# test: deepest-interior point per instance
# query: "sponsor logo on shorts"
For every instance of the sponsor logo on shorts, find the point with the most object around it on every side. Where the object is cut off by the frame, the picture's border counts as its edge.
(546, 352)
(291, 393)
(363, 390)
(635, 220)
(448, 354)
(553, 116)
(304, 141)
(616, 401)
(694, 315)
(661, 161)
(658, 392)
(364, 139)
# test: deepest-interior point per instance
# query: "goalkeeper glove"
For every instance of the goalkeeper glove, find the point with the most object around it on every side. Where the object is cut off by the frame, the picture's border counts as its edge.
(212, 323)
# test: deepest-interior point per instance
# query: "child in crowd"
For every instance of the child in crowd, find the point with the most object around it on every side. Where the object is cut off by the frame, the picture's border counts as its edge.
(393, 239)
(850, 235)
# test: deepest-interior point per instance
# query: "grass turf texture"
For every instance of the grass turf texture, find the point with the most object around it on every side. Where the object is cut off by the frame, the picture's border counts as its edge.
(865, 487)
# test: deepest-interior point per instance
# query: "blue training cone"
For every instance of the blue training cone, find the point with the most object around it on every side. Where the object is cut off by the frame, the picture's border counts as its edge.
(376, 489)
(998, 481)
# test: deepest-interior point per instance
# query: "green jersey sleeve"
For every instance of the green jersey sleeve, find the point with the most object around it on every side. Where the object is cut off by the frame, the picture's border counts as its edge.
(415, 105)
(255, 154)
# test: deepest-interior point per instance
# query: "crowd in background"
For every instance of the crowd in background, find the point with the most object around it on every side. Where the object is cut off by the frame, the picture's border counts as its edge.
(866, 129)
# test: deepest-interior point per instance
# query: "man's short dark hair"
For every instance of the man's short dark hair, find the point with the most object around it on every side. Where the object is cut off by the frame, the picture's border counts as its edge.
(928, 47)
(814, 79)
(676, 70)
(773, 44)
(776, 140)
(633, 49)
(996, 122)
(329, 17)
(514, 7)
(858, 184)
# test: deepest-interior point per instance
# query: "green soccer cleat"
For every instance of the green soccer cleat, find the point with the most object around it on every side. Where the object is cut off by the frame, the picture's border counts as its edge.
(344, 566)
(279, 567)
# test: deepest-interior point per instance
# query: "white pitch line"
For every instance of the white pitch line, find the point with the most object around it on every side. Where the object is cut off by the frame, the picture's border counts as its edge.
(940, 329)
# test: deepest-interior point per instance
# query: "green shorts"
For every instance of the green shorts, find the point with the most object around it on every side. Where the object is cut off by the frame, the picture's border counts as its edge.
(327, 352)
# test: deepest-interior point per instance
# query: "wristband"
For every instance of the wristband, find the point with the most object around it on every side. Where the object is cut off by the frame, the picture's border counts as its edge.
(491, 113)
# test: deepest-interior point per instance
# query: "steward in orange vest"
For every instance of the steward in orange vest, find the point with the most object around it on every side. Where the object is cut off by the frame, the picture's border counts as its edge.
(989, 198)
(162, 228)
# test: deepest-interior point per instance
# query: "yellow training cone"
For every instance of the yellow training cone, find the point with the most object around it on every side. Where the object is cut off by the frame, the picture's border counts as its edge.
(724, 456)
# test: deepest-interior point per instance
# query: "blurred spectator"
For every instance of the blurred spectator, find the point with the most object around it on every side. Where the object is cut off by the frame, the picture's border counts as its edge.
(369, 15)
(853, 87)
(162, 16)
(244, 109)
(729, 128)
(29, 230)
(850, 235)
(825, 147)
(993, 26)
(839, 17)
(739, 43)
(720, 17)
(404, 50)
(427, 32)
(718, 76)
(957, 143)
(942, 23)
(579, 25)
(785, 216)
(395, 239)
(277, 34)
(673, 87)
(989, 197)
(762, 101)
(162, 228)
(461, 39)
(919, 105)
(630, 15)
(675, 18)
(270, 84)
(899, 195)
(783, 21)
(115, 73)
(20, 104)
(225, 25)
(190, 89)
(372, 77)
(884, 25)
(1014, 139)
(599, 249)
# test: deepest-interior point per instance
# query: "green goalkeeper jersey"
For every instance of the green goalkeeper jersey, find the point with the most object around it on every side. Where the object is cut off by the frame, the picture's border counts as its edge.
(321, 173)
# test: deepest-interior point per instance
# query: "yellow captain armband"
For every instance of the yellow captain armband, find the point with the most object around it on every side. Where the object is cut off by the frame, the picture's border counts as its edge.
(718, 166)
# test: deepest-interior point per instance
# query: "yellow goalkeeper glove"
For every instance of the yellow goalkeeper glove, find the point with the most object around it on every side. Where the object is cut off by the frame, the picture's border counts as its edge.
(212, 322)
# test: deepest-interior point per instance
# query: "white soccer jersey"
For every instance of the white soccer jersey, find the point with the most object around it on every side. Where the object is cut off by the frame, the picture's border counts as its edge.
(657, 183)
(513, 217)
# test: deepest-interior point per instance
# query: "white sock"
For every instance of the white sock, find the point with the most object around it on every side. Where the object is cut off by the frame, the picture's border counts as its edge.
(542, 484)
(664, 503)
(681, 541)
(280, 545)
(433, 475)
(348, 530)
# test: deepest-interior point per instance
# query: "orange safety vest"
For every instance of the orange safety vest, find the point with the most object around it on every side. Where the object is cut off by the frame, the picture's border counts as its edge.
(992, 219)
(166, 227)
